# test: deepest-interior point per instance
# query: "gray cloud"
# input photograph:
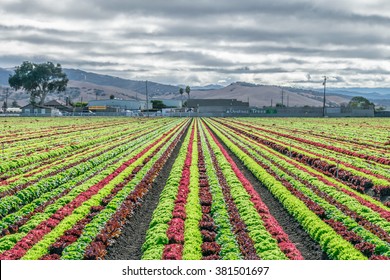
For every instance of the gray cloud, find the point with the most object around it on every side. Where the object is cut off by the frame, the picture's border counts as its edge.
(375, 71)
(241, 70)
(203, 42)
(192, 57)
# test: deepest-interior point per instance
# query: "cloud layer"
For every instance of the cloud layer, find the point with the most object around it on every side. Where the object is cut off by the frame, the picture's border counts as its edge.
(284, 42)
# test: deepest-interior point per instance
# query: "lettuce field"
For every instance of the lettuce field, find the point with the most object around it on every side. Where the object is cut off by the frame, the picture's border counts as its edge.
(194, 188)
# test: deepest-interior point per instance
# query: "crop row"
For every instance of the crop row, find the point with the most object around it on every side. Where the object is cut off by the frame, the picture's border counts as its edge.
(209, 210)
(363, 180)
(346, 224)
(69, 186)
(83, 199)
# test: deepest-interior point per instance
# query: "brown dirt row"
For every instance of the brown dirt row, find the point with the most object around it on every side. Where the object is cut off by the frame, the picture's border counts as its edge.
(128, 245)
(310, 249)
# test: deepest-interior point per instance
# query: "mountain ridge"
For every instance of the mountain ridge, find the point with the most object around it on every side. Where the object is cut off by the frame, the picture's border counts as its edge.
(85, 86)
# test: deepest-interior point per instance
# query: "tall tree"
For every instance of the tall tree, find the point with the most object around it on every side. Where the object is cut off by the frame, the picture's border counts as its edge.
(360, 102)
(188, 90)
(38, 80)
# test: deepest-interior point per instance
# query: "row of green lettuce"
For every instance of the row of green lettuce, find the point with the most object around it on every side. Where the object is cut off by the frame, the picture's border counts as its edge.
(331, 243)
(99, 172)
(261, 152)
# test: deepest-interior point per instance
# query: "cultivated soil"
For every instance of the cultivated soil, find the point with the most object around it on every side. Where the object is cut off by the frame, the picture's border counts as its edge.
(309, 249)
(128, 245)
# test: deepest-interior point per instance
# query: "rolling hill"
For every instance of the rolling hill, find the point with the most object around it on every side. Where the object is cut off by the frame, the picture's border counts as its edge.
(85, 86)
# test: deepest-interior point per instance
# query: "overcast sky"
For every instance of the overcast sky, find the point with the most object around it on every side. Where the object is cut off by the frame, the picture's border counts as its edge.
(276, 42)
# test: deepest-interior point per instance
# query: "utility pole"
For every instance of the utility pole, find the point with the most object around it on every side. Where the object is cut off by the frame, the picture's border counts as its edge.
(6, 95)
(6, 91)
(323, 106)
(271, 102)
(282, 96)
(147, 98)
(287, 100)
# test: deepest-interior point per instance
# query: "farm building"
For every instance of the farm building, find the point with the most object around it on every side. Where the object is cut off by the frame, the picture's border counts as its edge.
(116, 105)
(36, 110)
(58, 105)
(218, 105)
(170, 103)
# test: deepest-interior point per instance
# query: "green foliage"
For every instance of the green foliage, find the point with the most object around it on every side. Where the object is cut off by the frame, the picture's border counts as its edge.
(100, 220)
(158, 104)
(154, 253)
(380, 109)
(192, 236)
(85, 167)
(263, 241)
(360, 102)
(332, 243)
(225, 236)
(233, 256)
(38, 79)
(156, 236)
(80, 104)
(8, 241)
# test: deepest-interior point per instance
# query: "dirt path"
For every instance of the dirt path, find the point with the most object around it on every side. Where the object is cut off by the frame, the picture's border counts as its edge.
(128, 245)
(310, 250)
